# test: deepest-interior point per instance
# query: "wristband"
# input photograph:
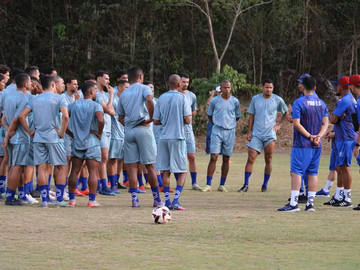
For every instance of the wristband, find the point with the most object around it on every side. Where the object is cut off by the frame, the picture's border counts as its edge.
(310, 137)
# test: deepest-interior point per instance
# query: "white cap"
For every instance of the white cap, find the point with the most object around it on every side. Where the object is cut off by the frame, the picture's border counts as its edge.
(217, 89)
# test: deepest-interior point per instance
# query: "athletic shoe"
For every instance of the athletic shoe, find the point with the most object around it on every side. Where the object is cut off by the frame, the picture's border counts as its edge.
(147, 185)
(26, 200)
(52, 193)
(120, 186)
(66, 197)
(135, 204)
(195, 186)
(62, 204)
(85, 192)
(44, 204)
(78, 193)
(115, 190)
(207, 188)
(107, 192)
(140, 190)
(244, 188)
(72, 203)
(332, 201)
(125, 184)
(302, 198)
(264, 189)
(207, 154)
(52, 197)
(357, 208)
(322, 193)
(343, 203)
(289, 208)
(4, 195)
(35, 194)
(168, 205)
(310, 208)
(2, 198)
(177, 207)
(158, 204)
(161, 189)
(31, 198)
(93, 204)
(222, 188)
(108, 184)
(50, 201)
(14, 203)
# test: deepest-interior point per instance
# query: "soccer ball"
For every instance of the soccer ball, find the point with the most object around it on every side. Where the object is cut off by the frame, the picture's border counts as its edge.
(161, 215)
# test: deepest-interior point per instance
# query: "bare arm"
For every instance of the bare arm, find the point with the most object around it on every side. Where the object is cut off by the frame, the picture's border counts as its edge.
(4, 123)
(250, 124)
(334, 118)
(187, 119)
(122, 119)
(278, 126)
(157, 122)
(150, 106)
(209, 99)
(100, 118)
(11, 131)
(22, 119)
(64, 122)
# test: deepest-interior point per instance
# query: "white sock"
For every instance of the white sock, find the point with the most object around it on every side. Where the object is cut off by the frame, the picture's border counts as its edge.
(328, 185)
(294, 197)
(347, 193)
(311, 197)
(337, 194)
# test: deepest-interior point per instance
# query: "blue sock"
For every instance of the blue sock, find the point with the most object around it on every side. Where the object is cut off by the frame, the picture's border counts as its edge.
(302, 185)
(145, 176)
(21, 193)
(177, 194)
(31, 185)
(92, 197)
(133, 192)
(306, 181)
(103, 184)
(222, 181)
(2, 183)
(247, 177)
(167, 195)
(71, 195)
(112, 179)
(160, 182)
(98, 186)
(60, 192)
(44, 192)
(193, 177)
(208, 180)
(155, 193)
(26, 188)
(176, 176)
(83, 181)
(266, 180)
(141, 183)
(77, 183)
(117, 177)
(125, 176)
(48, 188)
(66, 182)
(10, 195)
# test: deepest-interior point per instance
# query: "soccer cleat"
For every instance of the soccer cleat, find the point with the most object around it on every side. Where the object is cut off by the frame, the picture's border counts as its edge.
(125, 184)
(207, 188)
(195, 186)
(66, 197)
(158, 204)
(161, 189)
(342, 203)
(53, 198)
(322, 193)
(289, 208)
(141, 190)
(135, 204)
(332, 201)
(93, 204)
(52, 193)
(2, 198)
(78, 193)
(35, 194)
(107, 192)
(309, 208)
(31, 198)
(244, 188)
(62, 204)
(4, 195)
(222, 188)
(26, 200)
(44, 204)
(72, 203)
(115, 190)
(357, 208)
(264, 189)
(108, 184)
(120, 186)
(177, 207)
(147, 186)
(85, 192)
(14, 203)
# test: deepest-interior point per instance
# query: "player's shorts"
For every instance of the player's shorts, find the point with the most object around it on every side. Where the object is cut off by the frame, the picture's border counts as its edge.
(172, 156)
(259, 144)
(52, 153)
(190, 142)
(105, 140)
(305, 160)
(30, 158)
(139, 145)
(222, 141)
(18, 154)
(93, 153)
(68, 145)
(344, 151)
(2, 136)
(116, 149)
(332, 160)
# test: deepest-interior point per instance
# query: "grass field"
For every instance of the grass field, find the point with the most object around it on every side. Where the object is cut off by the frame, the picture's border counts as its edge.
(218, 230)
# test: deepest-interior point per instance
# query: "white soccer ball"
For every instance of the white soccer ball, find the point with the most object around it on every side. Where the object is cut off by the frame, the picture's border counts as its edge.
(161, 215)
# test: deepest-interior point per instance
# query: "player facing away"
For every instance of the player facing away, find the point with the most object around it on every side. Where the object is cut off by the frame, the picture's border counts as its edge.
(48, 138)
(223, 113)
(135, 110)
(172, 112)
(263, 111)
(345, 139)
(86, 124)
(310, 119)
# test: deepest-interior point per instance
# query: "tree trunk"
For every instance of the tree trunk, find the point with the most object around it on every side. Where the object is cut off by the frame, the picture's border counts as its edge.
(52, 31)
(152, 60)
(253, 58)
(212, 39)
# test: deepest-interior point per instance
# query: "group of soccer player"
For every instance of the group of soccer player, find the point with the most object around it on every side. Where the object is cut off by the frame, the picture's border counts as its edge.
(87, 137)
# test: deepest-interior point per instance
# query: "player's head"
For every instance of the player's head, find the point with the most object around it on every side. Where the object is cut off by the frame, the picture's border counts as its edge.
(151, 86)
(36, 86)
(102, 79)
(48, 84)
(89, 90)
(22, 80)
(342, 85)
(267, 87)
(71, 84)
(225, 86)
(33, 71)
(2, 82)
(60, 85)
(49, 71)
(5, 71)
(89, 78)
(185, 80)
(355, 84)
(15, 72)
(174, 82)
(136, 74)
(121, 75)
(122, 85)
(300, 80)
(309, 84)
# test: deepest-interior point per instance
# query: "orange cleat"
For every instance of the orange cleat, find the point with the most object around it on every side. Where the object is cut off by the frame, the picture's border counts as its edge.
(73, 204)
(161, 189)
(93, 204)
(108, 184)
(126, 184)
(142, 188)
(230, 162)
(78, 193)
(85, 192)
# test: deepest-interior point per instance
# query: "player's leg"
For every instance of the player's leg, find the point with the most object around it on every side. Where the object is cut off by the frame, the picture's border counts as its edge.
(125, 175)
(114, 152)
(163, 164)
(121, 166)
(228, 139)
(84, 173)
(105, 144)
(208, 138)
(215, 149)
(4, 172)
(252, 155)
(191, 150)
(312, 172)
(268, 152)
(93, 166)
(224, 173)
(76, 164)
(2, 177)
(28, 176)
(325, 191)
(141, 188)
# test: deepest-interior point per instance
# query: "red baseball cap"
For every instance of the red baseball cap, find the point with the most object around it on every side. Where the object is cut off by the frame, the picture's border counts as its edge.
(343, 81)
(355, 80)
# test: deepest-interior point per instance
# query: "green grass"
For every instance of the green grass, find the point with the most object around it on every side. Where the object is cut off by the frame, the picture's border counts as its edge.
(218, 230)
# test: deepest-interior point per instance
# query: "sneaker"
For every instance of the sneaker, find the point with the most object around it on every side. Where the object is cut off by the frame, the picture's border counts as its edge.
(264, 189)
(135, 204)
(222, 188)
(331, 201)
(158, 204)
(343, 203)
(125, 184)
(93, 204)
(50, 201)
(244, 188)
(139, 190)
(52, 193)
(322, 193)
(309, 208)
(85, 192)
(14, 203)
(289, 208)
(207, 188)
(115, 190)
(31, 198)
(62, 204)
(4, 195)
(35, 194)
(78, 193)
(177, 207)
(142, 188)
(357, 208)
(66, 197)
(161, 189)
(301, 199)
(44, 204)
(120, 186)
(168, 205)
(107, 192)
(2, 198)
(72, 203)
(147, 185)
(195, 186)
(52, 197)
(26, 200)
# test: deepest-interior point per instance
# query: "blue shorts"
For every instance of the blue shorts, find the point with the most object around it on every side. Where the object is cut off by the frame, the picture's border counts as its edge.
(105, 140)
(68, 145)
(305, 161)
(332, 160)
(259, 144)
(18, 154)
(171, 156)
(92, 153)
(344, 152)
(190, 142)
(116, 150)
(52, 153)
(222, 141)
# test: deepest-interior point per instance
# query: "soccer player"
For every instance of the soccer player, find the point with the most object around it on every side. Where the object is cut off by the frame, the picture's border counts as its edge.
(310, 119)
(121, 75)
(48, 138)
(172, 112)
(33, 71)
(12, 85)
(2, 178)
(86, 124)
(210, 125)
(135, 110)
(263, 111)
(223, 113)
(5, 72)
(189, 133)
(49, 71)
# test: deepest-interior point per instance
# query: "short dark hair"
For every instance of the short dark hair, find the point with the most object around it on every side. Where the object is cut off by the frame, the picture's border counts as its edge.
(20, 79)
(121, 82)
(48, 70)
(119, 73)
(100, 73)
(1, 77)
(267, 81)
(15, 72)
(69, 79)
(184, 75)
(31, 70)
(4, 69)
(47, 81)
(89, 77)
(147, 82)
(309, 83)
(135, 72)
(33, 79)
(85, 88)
